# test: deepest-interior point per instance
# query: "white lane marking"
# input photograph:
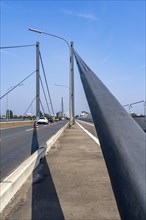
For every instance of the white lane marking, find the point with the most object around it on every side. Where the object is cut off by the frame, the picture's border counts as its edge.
(87, 123)
(29, 129)
(91, 135)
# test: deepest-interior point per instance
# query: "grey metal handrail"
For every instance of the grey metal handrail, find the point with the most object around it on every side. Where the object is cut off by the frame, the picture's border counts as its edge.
(123, 145)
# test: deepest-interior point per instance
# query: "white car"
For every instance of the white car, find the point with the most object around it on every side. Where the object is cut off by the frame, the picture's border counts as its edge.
(42, 120)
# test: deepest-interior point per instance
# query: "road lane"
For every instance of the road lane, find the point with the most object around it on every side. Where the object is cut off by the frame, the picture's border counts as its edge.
(89, 126)
(17, 144)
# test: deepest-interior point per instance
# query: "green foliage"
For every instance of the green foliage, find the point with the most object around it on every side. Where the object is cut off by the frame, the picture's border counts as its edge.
(11, 114)
(76, 116)
(47, 115)
(15, 116)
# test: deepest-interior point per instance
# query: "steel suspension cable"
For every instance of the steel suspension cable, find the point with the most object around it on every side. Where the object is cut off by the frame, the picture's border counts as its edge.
(17, 46)
(29, 106)
(45, 94)
(17, 85)
(46, 83)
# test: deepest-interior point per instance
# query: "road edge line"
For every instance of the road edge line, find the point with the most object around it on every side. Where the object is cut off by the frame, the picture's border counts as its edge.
(91, 135)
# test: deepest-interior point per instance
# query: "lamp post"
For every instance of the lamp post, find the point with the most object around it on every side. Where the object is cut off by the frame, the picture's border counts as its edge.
(129, 107)
(134, 103)
(62, 106)
(71, 72)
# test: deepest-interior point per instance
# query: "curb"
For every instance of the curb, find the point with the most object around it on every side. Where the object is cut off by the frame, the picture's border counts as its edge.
(11, 184)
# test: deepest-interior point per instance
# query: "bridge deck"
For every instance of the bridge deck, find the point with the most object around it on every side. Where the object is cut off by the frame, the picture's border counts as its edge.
(71, 183)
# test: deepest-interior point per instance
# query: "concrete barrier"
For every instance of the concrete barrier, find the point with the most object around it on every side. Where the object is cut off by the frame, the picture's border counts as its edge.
(11, 184)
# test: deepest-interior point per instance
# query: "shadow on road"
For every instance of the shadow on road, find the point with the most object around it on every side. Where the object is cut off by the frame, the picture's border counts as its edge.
(45, 201)
(34, 143)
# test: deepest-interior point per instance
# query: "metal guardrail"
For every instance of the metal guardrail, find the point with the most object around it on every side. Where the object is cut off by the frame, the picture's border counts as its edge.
(123, 145)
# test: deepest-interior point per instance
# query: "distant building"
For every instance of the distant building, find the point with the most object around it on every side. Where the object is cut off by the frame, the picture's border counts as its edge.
(3, 116)
(28, 115)
(84, 113)
(66, 114)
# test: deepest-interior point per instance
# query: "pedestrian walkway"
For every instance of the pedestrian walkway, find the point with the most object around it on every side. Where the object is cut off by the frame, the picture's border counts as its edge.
(71, 183)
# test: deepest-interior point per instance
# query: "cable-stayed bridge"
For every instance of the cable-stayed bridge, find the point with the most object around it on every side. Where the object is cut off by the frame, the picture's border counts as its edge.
(121, 140)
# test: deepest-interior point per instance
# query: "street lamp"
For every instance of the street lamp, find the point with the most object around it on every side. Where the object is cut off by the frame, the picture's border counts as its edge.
(62, 97)
(71, 73)
(134, 103)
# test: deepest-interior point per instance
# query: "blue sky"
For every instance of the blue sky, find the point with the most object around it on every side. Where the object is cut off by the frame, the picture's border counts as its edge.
(108, 35)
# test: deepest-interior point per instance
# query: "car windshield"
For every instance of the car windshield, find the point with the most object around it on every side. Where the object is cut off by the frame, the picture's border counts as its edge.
(42, 118)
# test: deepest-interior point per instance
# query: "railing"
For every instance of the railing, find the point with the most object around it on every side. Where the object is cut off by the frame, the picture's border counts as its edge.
(123, 145)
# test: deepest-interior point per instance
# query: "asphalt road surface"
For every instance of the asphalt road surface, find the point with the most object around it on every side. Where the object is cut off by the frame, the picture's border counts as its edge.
(89, 126)
(17, 144)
